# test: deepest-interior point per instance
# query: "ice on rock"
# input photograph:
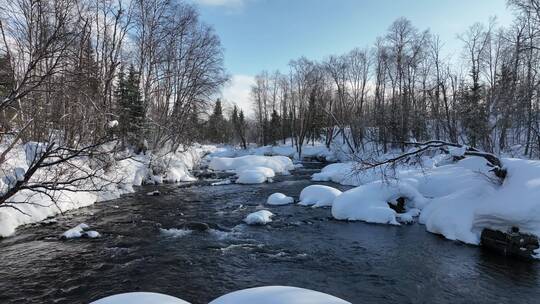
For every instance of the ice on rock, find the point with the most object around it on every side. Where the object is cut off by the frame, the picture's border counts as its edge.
(79, 231)
(261, 217)
(140, 298)
(318, 196)
(369, 202)
(278, 199)
(277, 295)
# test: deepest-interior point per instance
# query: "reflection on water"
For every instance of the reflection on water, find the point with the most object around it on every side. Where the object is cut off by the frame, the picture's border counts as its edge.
(303, 247)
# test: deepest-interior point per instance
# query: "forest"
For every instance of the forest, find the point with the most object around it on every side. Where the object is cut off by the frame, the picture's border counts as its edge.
(78, 75)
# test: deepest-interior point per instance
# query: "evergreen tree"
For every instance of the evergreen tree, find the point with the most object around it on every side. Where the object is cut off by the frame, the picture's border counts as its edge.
(131, 110)
(275, 127)
(217, 129)
(242, 129)
(239, 126)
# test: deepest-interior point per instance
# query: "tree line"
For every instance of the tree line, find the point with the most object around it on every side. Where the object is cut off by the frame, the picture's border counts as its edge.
(406, 88)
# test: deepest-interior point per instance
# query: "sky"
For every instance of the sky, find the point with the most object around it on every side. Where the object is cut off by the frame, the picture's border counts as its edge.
(262, 35)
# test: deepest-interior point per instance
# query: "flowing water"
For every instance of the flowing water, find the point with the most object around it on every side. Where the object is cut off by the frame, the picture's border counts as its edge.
(302, 247)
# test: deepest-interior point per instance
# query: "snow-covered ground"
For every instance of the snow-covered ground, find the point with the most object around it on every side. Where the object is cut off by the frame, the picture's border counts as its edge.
(149, 169)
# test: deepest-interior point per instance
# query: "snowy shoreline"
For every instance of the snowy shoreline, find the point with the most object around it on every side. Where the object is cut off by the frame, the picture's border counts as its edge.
(135, 171)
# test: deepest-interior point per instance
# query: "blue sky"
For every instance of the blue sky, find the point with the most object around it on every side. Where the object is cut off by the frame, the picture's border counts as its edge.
(266, 34)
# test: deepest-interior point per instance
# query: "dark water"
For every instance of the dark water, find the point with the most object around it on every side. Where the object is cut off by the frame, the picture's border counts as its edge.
(303, 247)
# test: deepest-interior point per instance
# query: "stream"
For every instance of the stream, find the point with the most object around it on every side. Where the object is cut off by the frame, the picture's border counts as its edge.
(302, 247)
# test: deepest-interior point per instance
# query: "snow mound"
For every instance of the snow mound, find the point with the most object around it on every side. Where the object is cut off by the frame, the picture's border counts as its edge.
(369, 202)
(248, 177)
(80, 231)
(279, 164)
(318, 196)
(261, 217)
(253, 169)
(277, 295)
(278, 199)
(140, 298)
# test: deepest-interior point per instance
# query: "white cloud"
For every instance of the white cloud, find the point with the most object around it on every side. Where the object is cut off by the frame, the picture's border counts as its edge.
(238, 91)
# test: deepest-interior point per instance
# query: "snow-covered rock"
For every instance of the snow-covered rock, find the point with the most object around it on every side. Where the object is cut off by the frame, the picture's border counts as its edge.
(253, 169)
(278, 164)
(318, 196)
(79, 231)
(140, 298)
(369, 202)
(278, 199)
(261, 217)
(277, 295)
(248, 177)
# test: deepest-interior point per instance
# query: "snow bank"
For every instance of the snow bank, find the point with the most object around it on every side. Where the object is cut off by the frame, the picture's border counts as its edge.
(369, 202)
(277, 295)
(457, 200)
(140, 298)
(278, 199)
(35, 207)
(261, 217)
(318, 196)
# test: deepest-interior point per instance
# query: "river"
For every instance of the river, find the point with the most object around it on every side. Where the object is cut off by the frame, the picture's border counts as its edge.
(303, 247)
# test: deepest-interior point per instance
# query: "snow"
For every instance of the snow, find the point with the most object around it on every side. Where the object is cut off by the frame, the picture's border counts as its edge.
(251, 177)
(318, 196)
(278, 164)
(134, 171)
(80, 231)
(369, 202)
(253, 169)
(221, 183)
(112, 124)
(92, 234)
(317, 150)
(277, 295)
(278, 199)
(173, 232)
(454, 199)
(261, 217)
(140, 298)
